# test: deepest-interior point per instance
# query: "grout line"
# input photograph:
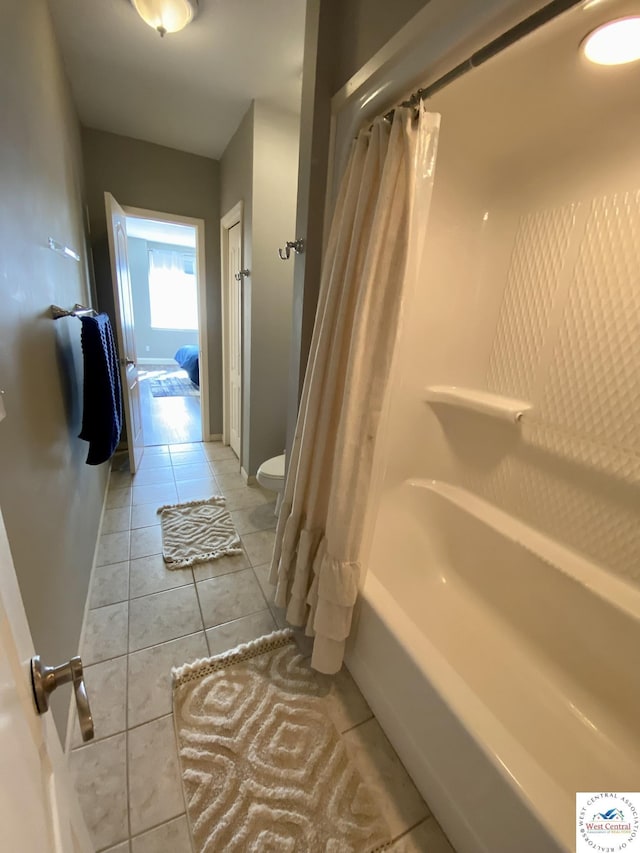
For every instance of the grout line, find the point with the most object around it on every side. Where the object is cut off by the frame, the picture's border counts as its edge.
(158, 825)
(361, 723)
(126, 712)
(206, 639)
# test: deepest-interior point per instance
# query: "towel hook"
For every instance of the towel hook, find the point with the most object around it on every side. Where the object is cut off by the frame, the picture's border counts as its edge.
(240, 275)
(296, 245)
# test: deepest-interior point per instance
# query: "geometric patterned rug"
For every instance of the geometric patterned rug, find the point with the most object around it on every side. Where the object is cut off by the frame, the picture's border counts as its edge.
(173, 386)
(264, 768)
(196, 532)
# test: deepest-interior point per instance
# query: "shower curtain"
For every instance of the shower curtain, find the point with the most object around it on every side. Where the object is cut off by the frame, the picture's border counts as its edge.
(374, 245)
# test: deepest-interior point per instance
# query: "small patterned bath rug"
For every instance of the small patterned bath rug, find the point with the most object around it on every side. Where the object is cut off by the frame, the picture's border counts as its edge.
(263, 766)
(196, 532)
(173, 386)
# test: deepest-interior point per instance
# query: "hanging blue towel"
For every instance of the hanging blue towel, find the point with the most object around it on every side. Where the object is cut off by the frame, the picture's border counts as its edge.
(102, 415)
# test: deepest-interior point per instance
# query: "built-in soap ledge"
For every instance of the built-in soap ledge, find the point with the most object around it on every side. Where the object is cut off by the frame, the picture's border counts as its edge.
(494, 405)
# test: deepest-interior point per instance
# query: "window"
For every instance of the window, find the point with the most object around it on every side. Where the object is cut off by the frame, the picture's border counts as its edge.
(172, 290)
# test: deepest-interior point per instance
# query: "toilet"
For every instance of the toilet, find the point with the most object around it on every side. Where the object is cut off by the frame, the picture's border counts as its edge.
(271, 476)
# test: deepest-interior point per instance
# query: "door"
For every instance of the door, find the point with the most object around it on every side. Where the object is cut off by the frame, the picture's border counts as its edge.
(39, 811)
(117, 231)
(235, 337)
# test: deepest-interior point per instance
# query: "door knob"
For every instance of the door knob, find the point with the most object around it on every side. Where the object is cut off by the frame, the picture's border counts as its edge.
(127, 361)
(45, 679)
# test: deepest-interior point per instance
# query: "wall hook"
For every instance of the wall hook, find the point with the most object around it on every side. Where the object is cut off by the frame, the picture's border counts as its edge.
(240, 275)
(296, 245)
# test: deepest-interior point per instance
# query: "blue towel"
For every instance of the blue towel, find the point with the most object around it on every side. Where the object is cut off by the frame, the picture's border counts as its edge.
(102, 415)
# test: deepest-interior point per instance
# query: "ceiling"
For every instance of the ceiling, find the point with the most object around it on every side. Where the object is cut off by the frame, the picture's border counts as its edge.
(190, 89)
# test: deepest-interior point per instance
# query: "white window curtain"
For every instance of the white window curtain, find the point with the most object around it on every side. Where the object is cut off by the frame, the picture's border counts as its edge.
(173, 293)
(376, 238)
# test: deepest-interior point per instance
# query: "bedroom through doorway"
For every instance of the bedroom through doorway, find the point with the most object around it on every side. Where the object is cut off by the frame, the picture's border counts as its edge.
(166, 260)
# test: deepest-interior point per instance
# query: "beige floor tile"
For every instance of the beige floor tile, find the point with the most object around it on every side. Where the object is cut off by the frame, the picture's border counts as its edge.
(165, 493)
(425, 838)
(230, 481)
(119, 479)
(217, 450)
(106, 685)
(251, 519)
(225, 465)
(171, 837)
(105, 634)
(269, 591)
(164, 616)
(246, 496)
(113, 548)
(155, 792)
(109, 584)
(230, 597)
(153, 476)
(145, 541)
(116, 520)
(239, 631)
(196, 471)
(400, 802)
(99, 774)
(186, 447)
(150, 675)
(150, 574)
(196, 490)
(221, 566)
(118, 498)
(121, 848)
(259, 546)
(156, 450)
(188, 458)
(144, 515)
(346, 704)
(154, 461)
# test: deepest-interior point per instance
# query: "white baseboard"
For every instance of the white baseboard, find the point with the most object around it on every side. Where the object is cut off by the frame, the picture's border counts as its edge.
(158, 361)
(215, 437)
(250, 481)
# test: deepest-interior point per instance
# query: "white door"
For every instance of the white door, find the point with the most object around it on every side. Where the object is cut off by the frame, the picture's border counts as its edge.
(39, 811)
(235, 337)
(124, 322)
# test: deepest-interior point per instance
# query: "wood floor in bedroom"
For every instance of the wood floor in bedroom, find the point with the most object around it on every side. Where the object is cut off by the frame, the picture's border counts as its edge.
(168, 420)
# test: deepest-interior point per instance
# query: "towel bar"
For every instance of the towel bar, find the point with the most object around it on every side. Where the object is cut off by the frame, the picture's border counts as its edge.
(77, 311)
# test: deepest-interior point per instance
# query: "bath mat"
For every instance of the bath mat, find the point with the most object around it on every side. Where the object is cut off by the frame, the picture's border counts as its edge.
(173, 386)
(263, 766)
(196, 532)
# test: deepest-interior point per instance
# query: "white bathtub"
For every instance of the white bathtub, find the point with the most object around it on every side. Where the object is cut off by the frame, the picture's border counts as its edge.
(504, 668)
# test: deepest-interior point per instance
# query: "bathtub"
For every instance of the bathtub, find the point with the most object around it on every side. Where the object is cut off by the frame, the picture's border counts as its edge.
(503, 667)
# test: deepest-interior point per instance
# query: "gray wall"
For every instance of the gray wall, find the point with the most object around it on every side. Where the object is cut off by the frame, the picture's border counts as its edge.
(140, 174)
(236, 184)
(150, 342)
(51, 500)
(340, 37)
(259, 168)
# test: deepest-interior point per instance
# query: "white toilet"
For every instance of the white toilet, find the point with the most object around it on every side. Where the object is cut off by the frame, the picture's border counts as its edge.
(271, 476)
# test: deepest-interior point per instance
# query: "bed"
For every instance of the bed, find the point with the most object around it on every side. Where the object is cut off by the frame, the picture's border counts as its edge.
(188, 359)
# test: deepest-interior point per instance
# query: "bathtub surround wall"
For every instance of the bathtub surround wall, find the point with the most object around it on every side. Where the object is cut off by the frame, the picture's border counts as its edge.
(152, 177)
(51, 500)
(260, 168)
(529, 292)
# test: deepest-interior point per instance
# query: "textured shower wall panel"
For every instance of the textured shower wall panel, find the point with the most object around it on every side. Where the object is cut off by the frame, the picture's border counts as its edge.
(568, 339)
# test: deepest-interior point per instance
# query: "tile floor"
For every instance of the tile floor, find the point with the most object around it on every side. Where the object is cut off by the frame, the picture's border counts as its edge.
(144, 619)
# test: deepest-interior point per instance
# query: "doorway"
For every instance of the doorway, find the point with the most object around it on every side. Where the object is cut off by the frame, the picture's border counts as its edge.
(166, 261)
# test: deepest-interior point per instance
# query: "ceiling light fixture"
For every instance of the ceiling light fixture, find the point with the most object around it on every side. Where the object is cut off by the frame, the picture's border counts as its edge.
(166, 16)
(614, 43)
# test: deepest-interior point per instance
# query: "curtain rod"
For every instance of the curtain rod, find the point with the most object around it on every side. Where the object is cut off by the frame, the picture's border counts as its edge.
(511, 36)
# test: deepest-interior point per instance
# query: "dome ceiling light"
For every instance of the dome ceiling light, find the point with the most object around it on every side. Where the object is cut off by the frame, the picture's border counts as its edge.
(166, 16)
(614, 43)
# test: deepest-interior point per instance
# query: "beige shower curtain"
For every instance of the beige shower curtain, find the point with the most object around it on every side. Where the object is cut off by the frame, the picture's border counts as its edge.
(376, 235)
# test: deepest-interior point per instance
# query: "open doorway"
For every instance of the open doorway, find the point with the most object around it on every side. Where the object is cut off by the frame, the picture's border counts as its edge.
(166, 264)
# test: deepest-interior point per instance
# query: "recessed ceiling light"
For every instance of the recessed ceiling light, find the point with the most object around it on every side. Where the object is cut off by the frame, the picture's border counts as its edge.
(614, 43)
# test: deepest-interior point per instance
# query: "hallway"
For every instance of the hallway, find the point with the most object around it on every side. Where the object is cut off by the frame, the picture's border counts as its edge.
(144, 619)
